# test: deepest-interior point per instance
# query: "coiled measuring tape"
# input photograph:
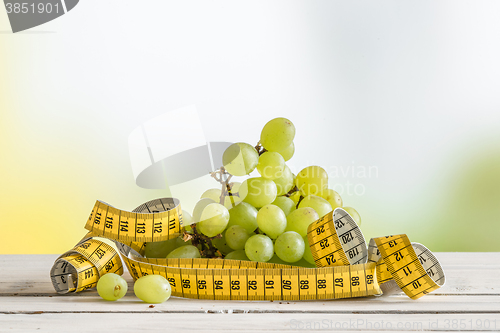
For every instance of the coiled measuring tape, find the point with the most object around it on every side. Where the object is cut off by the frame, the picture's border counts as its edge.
(346, 267)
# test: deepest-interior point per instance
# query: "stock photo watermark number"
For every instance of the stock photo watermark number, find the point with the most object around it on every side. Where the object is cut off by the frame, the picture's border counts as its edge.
(25, 8)
(454, 324)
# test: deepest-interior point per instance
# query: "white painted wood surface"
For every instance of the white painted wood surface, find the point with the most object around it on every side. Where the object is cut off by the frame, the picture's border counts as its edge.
(470, 301)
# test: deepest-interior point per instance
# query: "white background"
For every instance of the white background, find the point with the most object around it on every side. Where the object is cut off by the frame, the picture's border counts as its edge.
(411, 88)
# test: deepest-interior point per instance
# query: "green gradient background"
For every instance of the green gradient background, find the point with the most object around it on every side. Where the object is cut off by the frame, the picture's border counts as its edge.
(63, 137)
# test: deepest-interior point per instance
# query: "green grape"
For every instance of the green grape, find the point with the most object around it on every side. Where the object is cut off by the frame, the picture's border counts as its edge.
(240, 159)
(258, 191)
(354, 214)
(187, 220)
(289, 246)
(285, 182)
(285, 203)
(236, 237)
(244, 215)
(213, 193)
(299, 220)
(295, 196)
(320, 205)
(188, 229)
(235, 187)
(199, 207)
(304, 263)
(259, 248)
(271, 165)
(214, 220)
(160, 249)
(221, 244)
(288, 152)
(311, 180)
(237, 255)
(277, 134)
(271, 220)
(307, 252)
(152, 289)
(276, 260)
(181, 242)
(111, 287)
(231, 201)
(332, 197)
(186, 251)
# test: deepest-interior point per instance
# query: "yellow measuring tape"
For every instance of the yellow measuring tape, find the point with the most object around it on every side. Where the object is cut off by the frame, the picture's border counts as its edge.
(346, 267)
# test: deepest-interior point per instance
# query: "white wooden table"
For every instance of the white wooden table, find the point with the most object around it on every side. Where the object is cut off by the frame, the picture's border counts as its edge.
(470, 301)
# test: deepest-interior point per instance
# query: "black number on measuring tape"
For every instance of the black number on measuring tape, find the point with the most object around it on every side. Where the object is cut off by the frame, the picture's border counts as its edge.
(134, 271)
(157, 227)
(141, 228)
(321, 284)
(109, 265)
(218, 284)
(369, 279)
(355, 281)
(235, 285)
(172, 281)
(324, 244)
(89, 273)
(407, 271)
(339, 282)
(330, 260)
(97, 219)
(80, 259)
(399, 256)
(287, 284)
(320, 230)
(100, 253)
(86, 287)
(422, 259)
(109, 222)
(85, 246)
(252, 285)
(416, 284)
(354, 252)
(347, 238)
(202, 284)
(392, 243)
(186, 284)
(270, 284)
(124, 226)
(339, 224)
(304, 284)
(171, 224)
(430, 272)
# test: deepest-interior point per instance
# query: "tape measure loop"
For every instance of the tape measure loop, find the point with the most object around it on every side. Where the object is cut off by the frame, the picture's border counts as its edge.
(346, 266)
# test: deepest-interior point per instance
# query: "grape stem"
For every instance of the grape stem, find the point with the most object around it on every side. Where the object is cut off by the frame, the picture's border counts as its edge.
(260, 150)
(207, 249)
(292, 191)
(223, 177)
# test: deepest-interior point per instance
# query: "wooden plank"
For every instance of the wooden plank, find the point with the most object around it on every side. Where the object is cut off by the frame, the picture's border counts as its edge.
(368, 305)
(124, 322)
(466, 273)
(469, 301)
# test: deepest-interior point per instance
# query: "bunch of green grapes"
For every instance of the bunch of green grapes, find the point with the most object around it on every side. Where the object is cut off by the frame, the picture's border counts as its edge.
(264, 218)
